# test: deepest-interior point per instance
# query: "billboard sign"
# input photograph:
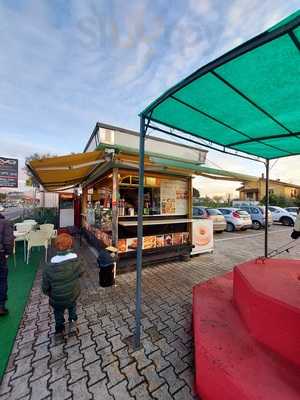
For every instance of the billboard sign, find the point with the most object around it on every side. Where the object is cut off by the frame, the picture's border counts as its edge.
(8, 172)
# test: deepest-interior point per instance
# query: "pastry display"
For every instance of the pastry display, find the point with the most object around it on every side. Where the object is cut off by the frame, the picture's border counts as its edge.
(149, 242)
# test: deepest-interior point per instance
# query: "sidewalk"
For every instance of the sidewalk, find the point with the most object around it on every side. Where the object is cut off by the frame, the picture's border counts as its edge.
(101, 364)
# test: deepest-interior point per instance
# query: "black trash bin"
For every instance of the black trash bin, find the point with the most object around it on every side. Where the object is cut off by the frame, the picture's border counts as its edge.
(106, 266)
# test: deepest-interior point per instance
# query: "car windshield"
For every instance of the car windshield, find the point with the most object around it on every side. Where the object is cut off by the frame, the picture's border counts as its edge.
(213, 211)
(197, 211)
(242, 212)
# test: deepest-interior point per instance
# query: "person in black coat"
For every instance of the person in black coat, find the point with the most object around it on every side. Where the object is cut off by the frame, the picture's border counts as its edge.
(6, 248)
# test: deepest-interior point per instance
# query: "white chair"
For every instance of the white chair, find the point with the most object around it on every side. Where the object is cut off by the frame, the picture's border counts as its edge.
(49, 229)
(21, 226)
(20, 235)
(37, 239)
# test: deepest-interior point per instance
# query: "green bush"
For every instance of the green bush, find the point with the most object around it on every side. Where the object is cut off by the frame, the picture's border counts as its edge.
(46, 216)
(41, 215)
(210, 202)
(280, 201)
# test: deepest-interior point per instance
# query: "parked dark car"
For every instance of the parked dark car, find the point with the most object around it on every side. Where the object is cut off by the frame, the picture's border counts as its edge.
(199, 212)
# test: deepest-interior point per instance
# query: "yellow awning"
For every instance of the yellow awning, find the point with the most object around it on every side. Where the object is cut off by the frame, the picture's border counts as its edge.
(56, 173)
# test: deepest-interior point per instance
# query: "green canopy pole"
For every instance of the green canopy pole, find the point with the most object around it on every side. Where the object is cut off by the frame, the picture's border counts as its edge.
(266, 208)
(139, 258)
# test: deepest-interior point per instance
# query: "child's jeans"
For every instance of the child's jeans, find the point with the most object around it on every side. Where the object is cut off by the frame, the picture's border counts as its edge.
(59, 315)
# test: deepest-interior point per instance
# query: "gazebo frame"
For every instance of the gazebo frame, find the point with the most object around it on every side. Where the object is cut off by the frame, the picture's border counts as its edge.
(287, 27)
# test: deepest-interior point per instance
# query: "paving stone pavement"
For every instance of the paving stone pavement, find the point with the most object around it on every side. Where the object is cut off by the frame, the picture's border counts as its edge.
(101, 363)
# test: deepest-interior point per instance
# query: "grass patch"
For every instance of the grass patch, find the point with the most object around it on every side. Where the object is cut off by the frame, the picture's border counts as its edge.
(20, 281)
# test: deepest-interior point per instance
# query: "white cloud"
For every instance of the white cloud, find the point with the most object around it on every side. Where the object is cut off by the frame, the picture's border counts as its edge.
(286, 169)
(212, 187)
(246, 19)
(205, 8)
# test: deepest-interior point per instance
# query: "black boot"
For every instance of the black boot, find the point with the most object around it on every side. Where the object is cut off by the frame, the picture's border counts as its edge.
(59, 329)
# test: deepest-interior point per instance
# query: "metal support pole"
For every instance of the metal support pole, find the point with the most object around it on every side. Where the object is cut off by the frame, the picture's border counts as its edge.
(139, 258)
(266, 208)
(115, 198)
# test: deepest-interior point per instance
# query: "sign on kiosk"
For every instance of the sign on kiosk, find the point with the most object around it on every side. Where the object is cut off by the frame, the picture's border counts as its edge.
(8, 172)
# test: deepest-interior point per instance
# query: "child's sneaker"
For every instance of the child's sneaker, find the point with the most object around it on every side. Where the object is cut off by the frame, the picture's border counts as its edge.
(73, 328)
(60, 331)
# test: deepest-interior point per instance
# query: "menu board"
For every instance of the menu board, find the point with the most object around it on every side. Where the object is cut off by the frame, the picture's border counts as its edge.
(181, 197)
(167, 197)
(173, 197)
(8, 172)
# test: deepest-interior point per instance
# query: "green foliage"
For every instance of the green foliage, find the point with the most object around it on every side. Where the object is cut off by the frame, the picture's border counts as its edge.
(196, 193)
(42, 215)
(215, 202)
(297, 201)
(280, 201)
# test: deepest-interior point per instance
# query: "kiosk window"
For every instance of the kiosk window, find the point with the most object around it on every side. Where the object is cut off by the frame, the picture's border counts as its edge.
(65, 204)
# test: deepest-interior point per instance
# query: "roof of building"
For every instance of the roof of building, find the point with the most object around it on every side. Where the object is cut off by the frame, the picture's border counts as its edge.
(276, 181)
(135, 133)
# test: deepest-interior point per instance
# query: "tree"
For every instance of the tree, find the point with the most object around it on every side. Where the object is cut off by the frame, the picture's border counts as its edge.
(278, 200)
(196, 193)
(297, 201)
(218, 199)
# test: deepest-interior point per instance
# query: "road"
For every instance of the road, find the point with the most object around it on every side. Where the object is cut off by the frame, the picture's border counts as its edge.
(13, 212)
(236, 247)
(249, 233)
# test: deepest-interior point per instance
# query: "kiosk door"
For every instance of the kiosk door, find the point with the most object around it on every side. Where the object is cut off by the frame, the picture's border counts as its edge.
(66, 211)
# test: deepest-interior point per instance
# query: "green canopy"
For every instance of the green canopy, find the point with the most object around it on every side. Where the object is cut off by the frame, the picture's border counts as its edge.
(247, 100)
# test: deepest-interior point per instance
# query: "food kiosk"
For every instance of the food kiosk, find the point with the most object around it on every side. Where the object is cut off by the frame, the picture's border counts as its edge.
(110, 200)
(106, 176)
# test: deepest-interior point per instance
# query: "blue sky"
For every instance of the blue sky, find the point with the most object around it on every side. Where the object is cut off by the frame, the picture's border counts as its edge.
(65, 64)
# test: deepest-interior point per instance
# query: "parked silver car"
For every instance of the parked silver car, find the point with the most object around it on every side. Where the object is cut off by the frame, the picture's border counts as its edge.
(257, 214)
(236, 219)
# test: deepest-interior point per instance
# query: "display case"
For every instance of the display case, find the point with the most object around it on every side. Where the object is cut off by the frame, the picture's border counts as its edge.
(167, 222)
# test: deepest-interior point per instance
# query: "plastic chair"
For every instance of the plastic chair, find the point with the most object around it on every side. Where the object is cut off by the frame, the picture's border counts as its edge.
(37, 239)
(52, 231)
(20, 235)
(49, 229)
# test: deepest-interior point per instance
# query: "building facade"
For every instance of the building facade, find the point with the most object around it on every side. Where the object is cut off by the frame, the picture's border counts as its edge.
(256, 190)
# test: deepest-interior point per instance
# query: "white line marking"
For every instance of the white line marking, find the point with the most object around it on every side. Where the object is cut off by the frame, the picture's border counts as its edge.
(249, 236)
